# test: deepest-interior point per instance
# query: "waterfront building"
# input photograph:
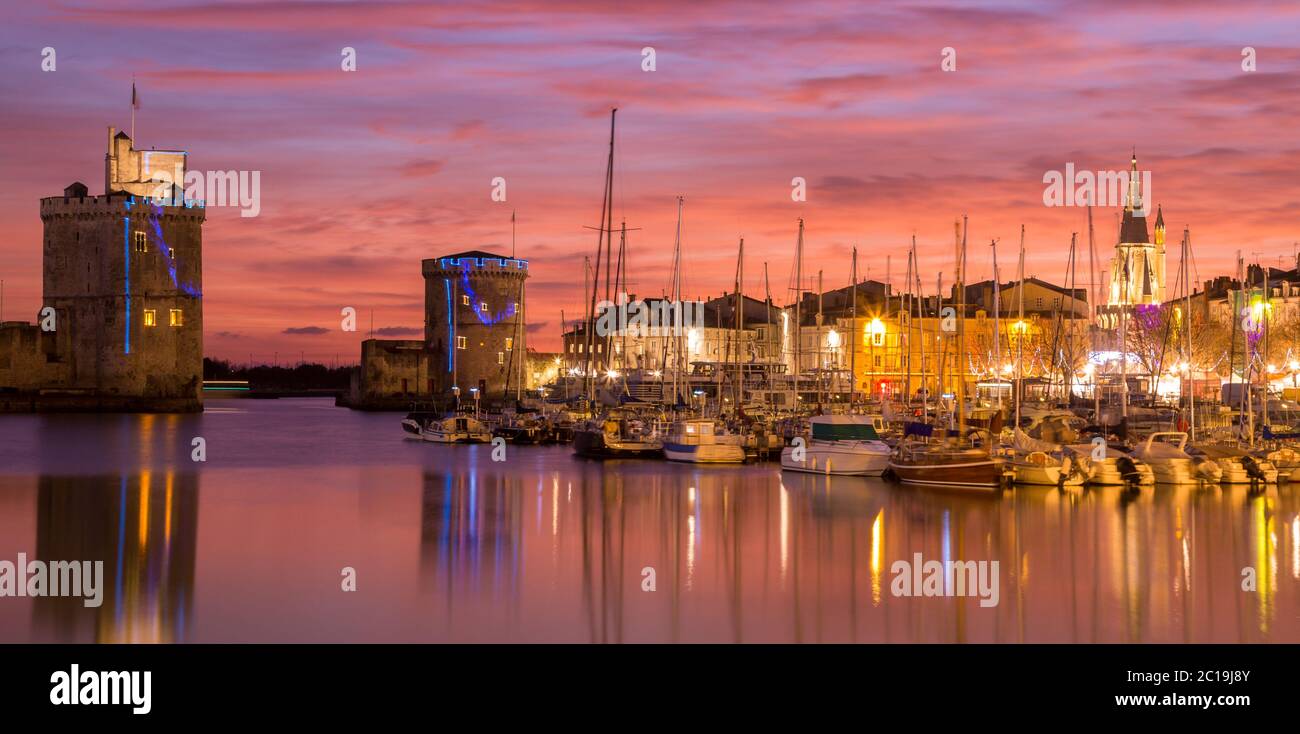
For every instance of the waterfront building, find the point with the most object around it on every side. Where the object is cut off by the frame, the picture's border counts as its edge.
(902, 345)
(702, 353)
(121, 323)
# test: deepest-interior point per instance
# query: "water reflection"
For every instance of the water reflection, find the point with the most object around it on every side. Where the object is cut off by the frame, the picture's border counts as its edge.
(750, 555)
(451, 546)
(144, 529)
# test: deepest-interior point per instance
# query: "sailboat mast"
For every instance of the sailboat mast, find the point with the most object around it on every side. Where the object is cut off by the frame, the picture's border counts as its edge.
(1020, 325)
(853, 331)
(602, 243)
(961, 330)
(798, 312)
(767, 301)
(740, 324)
(1187, 334)
(941, 344)
(919, 295)
(1094, 295)
(821, 362)
(679, 323)
(997, 334)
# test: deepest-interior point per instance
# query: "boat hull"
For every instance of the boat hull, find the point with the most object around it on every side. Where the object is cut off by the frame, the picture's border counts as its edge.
(978, 474)
(440, 436)
(713, 453)
(836, 460)
(1044, 475)
(597, 445)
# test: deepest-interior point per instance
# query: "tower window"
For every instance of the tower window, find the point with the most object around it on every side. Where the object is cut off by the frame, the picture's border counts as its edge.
(878, 339)
(464, 300)
(141, 241)
(483, 307)
(501, 357)
(510, 343)
(150, 317)
(460, 342)
(177, 317)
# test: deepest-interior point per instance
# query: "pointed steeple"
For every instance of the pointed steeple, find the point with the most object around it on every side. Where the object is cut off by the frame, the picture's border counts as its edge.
(1160, 227)
(1134, 199)
(1133, 225)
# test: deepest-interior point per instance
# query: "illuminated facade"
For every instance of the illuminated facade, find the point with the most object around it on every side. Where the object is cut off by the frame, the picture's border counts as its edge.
(1137, 270)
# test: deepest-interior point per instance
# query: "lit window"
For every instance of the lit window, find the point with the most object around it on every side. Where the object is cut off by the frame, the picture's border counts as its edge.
(177, 317)
(141, 241)
(460, 342)
(150, 317)
(483, 307)
(501, 357)
(510, 343)
(878, 340)
(515, 307)
(464, 300)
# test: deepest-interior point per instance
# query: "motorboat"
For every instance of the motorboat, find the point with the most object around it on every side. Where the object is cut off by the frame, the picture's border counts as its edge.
(1171, 464)
(840, 444)
(1237, 464)
(1115, 468)
(1287, 461)
(703, 441)
(617, 435)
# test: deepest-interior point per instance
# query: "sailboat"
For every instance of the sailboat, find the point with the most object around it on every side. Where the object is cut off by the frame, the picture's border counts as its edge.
(1038, 462)
(954, 462)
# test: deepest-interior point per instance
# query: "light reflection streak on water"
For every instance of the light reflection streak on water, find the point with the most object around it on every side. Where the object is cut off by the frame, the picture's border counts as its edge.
(785, 533)
(1295, 547)
(690, 536)
(877, 542)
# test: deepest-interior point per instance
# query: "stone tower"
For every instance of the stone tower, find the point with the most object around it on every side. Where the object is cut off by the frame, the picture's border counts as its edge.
(474, 323)
(123, 273)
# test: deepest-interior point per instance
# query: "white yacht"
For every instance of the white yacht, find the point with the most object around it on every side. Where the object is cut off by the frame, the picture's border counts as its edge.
(1116, 468)
(1172, 464)
(840, 444)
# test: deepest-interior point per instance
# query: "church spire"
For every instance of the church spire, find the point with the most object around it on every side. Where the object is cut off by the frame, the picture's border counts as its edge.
(1133, 201)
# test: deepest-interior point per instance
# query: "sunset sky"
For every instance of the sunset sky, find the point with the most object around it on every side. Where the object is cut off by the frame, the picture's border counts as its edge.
(365, 173)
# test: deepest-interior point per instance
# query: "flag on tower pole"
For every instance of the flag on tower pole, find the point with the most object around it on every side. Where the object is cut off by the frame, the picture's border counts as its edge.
(135, 105)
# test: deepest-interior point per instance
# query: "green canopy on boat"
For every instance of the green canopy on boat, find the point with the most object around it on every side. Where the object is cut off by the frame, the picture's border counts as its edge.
(843, 428)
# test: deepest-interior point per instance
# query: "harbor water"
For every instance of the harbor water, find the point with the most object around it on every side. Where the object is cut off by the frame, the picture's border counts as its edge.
(295, 497)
